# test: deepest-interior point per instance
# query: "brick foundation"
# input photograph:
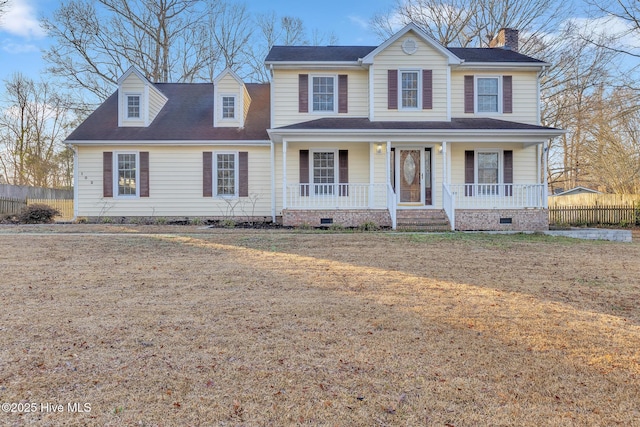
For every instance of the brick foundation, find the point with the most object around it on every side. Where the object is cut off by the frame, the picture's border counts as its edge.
(343, 217)
(489, 219)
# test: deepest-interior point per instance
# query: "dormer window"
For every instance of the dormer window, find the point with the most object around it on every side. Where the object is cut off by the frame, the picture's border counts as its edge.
(228, 107)
(133, 106)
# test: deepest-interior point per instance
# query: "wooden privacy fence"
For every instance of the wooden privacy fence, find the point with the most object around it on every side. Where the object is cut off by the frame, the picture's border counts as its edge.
(65, 206)
(10, 206)
(621, 215)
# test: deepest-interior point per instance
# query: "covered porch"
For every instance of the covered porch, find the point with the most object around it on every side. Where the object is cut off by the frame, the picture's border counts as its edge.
(327, 177)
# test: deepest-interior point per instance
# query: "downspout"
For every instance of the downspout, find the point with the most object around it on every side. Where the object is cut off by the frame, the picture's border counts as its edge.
(75, 183)
(284, 174)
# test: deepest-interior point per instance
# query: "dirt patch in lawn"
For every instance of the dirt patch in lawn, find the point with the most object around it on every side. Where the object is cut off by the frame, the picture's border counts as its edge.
(271, 328)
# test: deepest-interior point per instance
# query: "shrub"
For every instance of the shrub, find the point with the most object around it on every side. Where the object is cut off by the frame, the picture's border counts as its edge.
(369, 226)
(38, 214)
(228, 223)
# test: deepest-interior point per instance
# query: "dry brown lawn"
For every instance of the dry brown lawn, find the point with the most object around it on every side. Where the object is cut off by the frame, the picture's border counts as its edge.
(190, 327)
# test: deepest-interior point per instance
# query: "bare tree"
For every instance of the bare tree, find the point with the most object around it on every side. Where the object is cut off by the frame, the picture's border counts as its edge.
(470, 23)
(34, 122)
(96, 41)
(232, 28)
(3, 7)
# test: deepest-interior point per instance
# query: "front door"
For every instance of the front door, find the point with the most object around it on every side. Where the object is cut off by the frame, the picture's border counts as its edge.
(410, 176)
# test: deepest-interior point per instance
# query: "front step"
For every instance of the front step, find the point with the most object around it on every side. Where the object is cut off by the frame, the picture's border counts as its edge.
(422, 220)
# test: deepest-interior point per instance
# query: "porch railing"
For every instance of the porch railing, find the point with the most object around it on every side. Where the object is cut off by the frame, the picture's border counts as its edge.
(497, 196)
(392, 205)
(449, 205)
(336, 196)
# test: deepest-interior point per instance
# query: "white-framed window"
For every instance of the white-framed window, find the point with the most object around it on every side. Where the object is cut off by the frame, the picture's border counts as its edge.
(228, 107)
(127, 176)
(225, 174)
(323, 93)
(324, 171)
(409, 89)
(488, 171)
(133, 106)
(488, 94)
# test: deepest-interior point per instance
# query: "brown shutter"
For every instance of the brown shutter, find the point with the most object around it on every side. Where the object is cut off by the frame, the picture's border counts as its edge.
(303, 93)
(207, 174)
(144, 174)
(427, 89)
(304, 172)
(343, 172)
(107, 174)
(243, 171)
(507, 94)
(468, 95)
(392, 89)
(508, 172)
(343, 93)
(469, 172)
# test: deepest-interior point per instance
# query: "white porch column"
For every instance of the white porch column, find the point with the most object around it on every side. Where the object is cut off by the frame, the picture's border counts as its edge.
(445, 171)
(273, 182)
(388, 165)
(284, 173)
(545, 187)
(75, 182)
(372, 151)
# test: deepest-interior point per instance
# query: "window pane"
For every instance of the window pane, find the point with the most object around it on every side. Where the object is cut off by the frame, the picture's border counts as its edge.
(228, 107)
(226, 178)
(323, 94)
(409, 89)
(126, 174)
(488, 172)
(488, 95)
(133, 106)
(324, 172)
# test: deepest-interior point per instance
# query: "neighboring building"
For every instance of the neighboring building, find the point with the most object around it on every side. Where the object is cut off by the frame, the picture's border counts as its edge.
(576, 190)
(405, 131)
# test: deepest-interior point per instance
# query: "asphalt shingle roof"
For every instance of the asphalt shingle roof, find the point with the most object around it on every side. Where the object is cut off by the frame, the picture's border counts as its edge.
(187, 116)
(353, 53)
(347, 123)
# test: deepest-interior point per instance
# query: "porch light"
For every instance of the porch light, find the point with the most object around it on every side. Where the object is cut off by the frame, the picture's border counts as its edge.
(379, 148)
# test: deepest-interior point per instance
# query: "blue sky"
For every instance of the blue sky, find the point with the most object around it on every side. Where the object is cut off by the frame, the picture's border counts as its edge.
(22, 40)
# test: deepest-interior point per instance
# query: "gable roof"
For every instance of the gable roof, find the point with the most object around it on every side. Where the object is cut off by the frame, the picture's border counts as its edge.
(187, 116)
(355, 54)
(230, 72)
(422, 35)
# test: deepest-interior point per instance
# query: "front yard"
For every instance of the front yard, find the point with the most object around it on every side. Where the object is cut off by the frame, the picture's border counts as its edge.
(272, 328)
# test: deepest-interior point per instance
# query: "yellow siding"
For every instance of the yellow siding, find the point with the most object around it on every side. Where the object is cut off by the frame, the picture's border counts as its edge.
(246, 103)
(156, 102)
(285, 96)
(524, 161)
(424, 58)
(175, 177)
(525, 95)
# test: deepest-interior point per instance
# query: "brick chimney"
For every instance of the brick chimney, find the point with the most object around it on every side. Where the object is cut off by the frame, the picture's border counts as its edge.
(507, 38)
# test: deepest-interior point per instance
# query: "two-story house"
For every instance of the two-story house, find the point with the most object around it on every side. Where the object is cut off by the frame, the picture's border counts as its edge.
(398, 133)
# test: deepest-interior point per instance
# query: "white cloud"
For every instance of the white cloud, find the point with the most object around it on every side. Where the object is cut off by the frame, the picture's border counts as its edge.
(20, 20)
(12, 47)
(362, 22)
